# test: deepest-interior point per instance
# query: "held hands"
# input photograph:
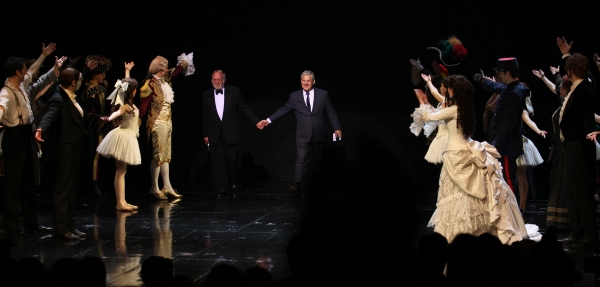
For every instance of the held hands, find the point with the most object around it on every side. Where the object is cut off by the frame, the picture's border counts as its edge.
(538, 73)
(554, 70)
(563, 46)
(104, 119)
(262, 124)
(38, 135)
(47, 50)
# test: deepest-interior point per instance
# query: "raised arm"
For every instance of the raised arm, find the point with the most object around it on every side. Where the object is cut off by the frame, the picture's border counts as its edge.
(434, 91)
(46, 51)
(541, 76)
(128, 67)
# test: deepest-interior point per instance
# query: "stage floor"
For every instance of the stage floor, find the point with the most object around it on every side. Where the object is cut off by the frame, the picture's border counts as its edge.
(253, 228)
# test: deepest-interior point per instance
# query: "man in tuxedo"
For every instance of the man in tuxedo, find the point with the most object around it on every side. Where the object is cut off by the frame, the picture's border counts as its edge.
(310, 105)
(506, 132)
(221, 129)
(577, 133)
(63, 120)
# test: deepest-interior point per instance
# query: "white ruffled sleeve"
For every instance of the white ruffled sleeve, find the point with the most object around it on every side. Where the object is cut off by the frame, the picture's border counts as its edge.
(419, 119)
(189, 58)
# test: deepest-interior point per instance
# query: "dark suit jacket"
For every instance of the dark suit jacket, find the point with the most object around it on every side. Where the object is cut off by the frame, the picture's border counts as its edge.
(61, 122)
(310, 125)
(506, 133)
(578, 117)
(230, 124)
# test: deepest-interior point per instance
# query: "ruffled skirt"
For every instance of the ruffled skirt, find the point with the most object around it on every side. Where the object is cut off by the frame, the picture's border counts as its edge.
(122, 145)
(531, 156)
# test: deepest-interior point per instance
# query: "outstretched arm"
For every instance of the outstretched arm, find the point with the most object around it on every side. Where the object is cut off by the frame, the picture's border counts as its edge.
(46, 51)
(532, 125)
(121, 111)
(541, 76)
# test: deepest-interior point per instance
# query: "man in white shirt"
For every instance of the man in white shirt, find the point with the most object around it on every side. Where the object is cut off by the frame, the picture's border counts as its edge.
(19, 149)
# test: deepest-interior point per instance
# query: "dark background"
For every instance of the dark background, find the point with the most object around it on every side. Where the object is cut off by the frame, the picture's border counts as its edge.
(359, 52)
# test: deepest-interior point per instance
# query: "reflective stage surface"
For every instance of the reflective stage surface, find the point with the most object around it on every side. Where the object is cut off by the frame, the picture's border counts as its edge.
(253, 228)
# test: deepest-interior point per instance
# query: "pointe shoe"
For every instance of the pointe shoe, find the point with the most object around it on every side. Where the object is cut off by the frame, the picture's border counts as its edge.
(158, 194)
(171, 192)
(124, 208)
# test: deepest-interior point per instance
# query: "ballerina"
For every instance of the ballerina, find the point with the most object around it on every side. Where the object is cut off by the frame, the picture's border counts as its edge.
(121, 142)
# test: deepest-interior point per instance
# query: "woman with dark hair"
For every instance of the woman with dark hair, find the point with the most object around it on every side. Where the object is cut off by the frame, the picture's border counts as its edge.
(473, 197)
(121, 143)
(438, 144)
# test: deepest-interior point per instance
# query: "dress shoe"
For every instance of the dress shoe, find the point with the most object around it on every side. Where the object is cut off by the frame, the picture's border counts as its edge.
(39, 228)
(158, 194)
(171, 193)
(78, 233)
(68, 236)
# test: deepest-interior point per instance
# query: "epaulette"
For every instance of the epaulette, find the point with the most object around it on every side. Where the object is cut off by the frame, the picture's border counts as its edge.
(145, 90)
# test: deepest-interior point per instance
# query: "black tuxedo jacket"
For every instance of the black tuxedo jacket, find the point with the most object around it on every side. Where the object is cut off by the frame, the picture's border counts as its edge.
(230, 124)
(310, 124)
(61, 122)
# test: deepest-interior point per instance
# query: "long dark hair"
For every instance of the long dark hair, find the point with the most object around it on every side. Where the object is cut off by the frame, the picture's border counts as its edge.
(462, 97)
(128, 99)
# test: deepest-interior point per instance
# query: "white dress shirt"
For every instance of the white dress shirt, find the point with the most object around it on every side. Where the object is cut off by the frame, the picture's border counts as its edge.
(72, 96)
(10, 118)
(220, 102)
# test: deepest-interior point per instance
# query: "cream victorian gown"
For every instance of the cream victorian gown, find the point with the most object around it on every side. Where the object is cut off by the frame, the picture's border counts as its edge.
(473, 197)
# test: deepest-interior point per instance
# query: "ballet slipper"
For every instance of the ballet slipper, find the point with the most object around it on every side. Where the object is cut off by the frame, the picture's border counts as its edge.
(124, 208)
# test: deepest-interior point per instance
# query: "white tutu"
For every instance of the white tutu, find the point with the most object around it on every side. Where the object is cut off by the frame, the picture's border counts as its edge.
(435, 153)
(121, 143)
(530, 156)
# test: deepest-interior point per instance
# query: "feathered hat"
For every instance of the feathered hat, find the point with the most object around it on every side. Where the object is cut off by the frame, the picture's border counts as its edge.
(449, 52)
(104, 63)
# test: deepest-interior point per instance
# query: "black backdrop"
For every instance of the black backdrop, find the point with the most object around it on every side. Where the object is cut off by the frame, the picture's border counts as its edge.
(358, 51)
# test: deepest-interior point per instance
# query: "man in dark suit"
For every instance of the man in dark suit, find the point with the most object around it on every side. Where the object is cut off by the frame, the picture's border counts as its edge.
(577, 132)
(63, 120)
(506, 133)
(221, 129)
(310, 105)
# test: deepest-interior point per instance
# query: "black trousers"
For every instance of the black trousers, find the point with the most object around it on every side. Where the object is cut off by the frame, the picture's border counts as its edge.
(309, 161)
(578, 185)
(19, 193)
(223, 157)
(65, 187)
